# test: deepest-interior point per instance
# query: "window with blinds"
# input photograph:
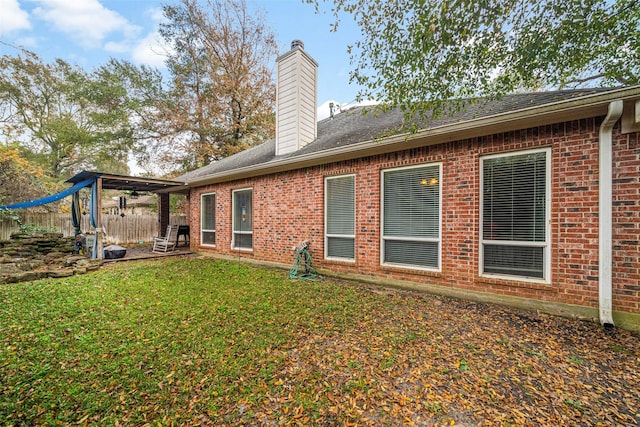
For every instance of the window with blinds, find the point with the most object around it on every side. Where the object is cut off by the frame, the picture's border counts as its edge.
(242, 219)
(515, 203)
(208, 220)
(411, 203)
(340, 222)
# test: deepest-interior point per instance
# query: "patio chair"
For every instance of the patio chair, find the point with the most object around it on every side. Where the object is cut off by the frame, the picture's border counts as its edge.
(168, 242)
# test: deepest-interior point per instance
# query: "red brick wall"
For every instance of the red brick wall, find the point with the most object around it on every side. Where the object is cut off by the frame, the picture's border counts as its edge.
(626, 223)
(288, 208)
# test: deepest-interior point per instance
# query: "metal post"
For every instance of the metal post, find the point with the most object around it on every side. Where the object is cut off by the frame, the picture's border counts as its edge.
(99, 231)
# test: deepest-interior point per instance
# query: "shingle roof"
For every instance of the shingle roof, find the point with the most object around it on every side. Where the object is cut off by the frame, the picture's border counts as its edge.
(353, 126)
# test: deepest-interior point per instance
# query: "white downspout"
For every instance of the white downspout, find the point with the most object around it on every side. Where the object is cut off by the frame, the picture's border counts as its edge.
(605, 214)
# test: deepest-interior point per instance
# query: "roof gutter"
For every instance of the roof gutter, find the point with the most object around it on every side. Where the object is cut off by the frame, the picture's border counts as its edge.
(587, 106)
(605, 214)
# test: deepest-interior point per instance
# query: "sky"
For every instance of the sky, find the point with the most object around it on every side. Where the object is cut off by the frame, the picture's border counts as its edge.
(89, 32)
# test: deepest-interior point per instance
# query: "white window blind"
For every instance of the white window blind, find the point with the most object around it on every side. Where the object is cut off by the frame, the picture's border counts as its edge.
(515, 194)
(340, 217)
(208, 219)
(242, 219)
(411, 217)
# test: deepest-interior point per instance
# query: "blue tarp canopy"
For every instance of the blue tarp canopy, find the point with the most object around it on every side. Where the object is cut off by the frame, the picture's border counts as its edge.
(54, 197)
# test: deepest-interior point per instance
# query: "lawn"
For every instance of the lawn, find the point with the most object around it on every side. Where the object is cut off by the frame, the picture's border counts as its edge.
(192, 341)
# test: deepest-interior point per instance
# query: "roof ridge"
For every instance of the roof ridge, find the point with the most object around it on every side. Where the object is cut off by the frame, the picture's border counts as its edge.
(351, 127)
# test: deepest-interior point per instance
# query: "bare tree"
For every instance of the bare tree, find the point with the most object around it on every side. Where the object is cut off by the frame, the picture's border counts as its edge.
(221, 96)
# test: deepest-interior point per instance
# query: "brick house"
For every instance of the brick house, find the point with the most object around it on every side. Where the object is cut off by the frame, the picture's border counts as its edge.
(531, 201)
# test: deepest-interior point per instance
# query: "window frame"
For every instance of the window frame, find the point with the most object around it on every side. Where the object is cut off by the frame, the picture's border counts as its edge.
(202, 216)
(546, 245)
(384, 237)
(233, 220)
(327, 236)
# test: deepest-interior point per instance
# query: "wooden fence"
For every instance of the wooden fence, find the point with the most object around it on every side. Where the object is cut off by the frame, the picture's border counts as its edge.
(118, 230)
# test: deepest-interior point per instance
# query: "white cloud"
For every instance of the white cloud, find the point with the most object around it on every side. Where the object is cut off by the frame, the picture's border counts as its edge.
(28, 42)
(156, 14)
(117, 47)
(85, 21)
(12, 17)
(151, 50)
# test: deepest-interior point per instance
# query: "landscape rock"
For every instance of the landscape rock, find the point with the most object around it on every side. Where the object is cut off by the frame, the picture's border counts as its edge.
(9, 268)
(31, 257)
(61, 273)
(76, 259)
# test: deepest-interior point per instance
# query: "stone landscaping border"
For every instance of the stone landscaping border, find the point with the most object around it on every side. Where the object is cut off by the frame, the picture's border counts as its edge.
(28, 257)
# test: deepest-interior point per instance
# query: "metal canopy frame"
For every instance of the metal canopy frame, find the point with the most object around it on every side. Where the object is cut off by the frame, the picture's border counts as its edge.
(131, 183)
(106, 181)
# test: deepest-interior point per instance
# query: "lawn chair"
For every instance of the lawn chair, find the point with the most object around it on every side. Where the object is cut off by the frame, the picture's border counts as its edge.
(168, 242)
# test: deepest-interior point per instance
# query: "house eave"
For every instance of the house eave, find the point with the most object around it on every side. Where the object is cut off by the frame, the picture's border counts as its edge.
(558, 112)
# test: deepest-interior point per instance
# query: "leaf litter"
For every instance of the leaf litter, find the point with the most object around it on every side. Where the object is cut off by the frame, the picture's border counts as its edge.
(220, 343)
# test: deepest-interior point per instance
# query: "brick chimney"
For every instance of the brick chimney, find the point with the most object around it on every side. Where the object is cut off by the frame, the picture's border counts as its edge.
(296, 99)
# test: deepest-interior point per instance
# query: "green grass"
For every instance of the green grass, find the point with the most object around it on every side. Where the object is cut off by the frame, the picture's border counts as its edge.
(201, 341)
(147, 342)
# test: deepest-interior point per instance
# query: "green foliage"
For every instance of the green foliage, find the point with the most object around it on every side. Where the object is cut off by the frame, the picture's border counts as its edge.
(574, 359)
(144, 90)
(10, 214)
(36, 229)
(419, 54)
(69, 119)
(575, 404)
(463, 365)
(24, 228)
(20, 178)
